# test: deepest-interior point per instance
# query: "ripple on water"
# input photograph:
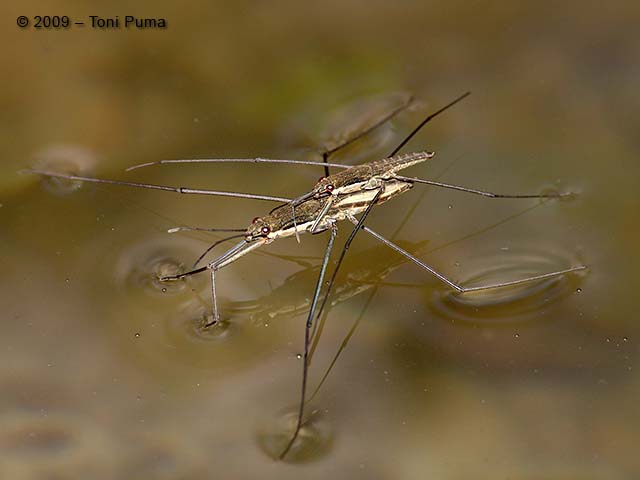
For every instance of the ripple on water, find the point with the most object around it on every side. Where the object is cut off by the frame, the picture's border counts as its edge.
(313, 443)
(141, 266)
(193, 324)
(179, 338)
(68, 159)
(517, 303)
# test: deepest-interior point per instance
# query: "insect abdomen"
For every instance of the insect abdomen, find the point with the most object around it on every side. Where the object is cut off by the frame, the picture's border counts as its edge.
(400, 162)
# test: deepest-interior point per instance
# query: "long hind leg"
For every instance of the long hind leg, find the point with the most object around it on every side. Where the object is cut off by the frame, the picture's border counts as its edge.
(483, 193)
(458, 288)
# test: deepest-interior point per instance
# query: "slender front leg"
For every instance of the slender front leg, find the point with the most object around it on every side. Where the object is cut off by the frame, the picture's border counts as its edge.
(314, 227)
(214, 299)
(307, 338)
(230, 256)
(295, 223)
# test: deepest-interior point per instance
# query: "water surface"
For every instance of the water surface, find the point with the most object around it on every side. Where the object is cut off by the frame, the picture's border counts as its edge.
(107, 373)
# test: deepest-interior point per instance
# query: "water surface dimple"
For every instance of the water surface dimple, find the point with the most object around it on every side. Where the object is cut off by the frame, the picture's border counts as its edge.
(66, 159)
(313, 442)
(194, 323)
(141, 266)
(516, 303)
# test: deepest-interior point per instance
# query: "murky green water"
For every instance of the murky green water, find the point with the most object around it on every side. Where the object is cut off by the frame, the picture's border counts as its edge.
(106, 373)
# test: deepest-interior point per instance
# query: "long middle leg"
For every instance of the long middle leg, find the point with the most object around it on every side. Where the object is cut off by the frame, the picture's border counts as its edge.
(307, 339)
(342, 255)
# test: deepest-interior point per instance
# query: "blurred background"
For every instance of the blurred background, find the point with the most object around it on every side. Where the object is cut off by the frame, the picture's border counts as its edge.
(105, 373)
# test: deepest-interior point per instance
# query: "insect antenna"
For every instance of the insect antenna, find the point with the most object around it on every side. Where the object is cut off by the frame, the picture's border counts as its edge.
(214, 245)
(201, 229)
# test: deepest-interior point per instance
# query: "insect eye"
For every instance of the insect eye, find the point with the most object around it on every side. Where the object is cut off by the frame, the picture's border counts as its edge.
(255, 220)
(265, 230)
(329, 188)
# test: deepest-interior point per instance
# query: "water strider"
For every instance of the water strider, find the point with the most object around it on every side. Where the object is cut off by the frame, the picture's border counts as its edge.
(351, 192)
